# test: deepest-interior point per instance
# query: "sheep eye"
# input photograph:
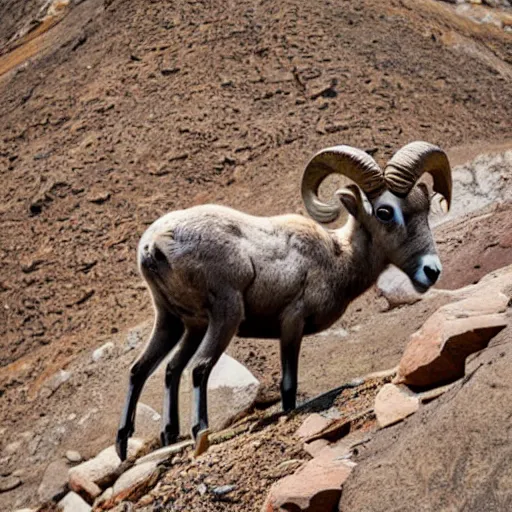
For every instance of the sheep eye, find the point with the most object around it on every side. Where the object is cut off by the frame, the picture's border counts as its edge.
(385, 213)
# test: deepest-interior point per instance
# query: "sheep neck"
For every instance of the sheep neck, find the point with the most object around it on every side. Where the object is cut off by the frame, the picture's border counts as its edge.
(361, 260)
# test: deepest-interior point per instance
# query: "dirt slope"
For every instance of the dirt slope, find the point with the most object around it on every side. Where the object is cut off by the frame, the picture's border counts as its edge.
(154, 107)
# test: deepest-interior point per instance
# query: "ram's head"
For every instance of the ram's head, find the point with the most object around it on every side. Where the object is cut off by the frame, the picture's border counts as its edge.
(391, 204)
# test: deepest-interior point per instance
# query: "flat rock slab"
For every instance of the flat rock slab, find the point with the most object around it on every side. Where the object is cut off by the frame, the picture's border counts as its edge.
(316, 487)
(313, 425)
(164, 453)
(394, 403)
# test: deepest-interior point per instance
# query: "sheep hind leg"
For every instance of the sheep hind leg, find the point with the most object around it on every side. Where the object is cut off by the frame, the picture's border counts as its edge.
(186, 349)
(167, 331)
(291, 337)
(225, 317)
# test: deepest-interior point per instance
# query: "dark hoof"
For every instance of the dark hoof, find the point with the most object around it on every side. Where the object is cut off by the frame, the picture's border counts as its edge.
(202, 442)
(122, 442)
(168, 437)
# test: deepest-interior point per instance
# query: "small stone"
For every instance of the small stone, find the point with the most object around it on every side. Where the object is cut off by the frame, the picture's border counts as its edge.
(145, 500)
(202, 489)
(73, 456)
(9, 483)
(73, 503)
(223, 490)
(104, 352)
(99, 198)
(313, 425)
(104, 497)
(396, 288)
(394, 403)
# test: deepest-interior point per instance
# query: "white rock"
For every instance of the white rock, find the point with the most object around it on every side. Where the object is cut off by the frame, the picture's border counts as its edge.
(397, 288)
(104, 465)
(135, 477)
(103, 352)
(394, 403)
(73, 456)
(73, 503)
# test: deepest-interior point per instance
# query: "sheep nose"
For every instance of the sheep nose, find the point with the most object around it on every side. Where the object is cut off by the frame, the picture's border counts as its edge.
(432, 273)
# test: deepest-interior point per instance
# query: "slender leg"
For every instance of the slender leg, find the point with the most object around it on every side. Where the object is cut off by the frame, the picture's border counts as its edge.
(186, 349)
(166, 333)
(225, 316)
(291, 337)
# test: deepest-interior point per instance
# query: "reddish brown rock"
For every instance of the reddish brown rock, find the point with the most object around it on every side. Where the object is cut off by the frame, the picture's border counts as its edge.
(313, 425)
(436, 354)
(315, 447)
(394, 403)
(83, 486)
(316, 487)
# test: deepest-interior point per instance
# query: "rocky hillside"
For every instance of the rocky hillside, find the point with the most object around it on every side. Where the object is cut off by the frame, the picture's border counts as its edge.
(112, 113)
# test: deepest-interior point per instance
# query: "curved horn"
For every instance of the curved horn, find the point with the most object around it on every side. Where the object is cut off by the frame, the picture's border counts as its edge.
(354, 163)
(413, 160)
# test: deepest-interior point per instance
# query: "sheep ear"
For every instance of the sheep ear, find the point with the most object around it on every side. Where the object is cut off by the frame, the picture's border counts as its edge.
(350, 198)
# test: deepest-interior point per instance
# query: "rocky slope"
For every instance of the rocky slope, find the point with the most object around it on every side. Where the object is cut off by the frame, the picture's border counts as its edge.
(244, 95)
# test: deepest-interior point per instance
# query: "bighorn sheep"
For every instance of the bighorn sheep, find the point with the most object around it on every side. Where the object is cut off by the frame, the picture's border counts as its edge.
(214, 272)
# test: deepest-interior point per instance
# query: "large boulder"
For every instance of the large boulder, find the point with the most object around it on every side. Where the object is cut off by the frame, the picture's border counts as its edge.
(453, 454)
(437, 353)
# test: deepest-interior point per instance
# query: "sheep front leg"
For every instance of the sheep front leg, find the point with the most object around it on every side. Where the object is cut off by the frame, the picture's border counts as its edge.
(186, 349)
(224, 318)
(291, 336)
(166, 333)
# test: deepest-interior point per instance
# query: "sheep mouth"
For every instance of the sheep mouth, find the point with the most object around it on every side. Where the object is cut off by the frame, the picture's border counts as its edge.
(420, 287)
